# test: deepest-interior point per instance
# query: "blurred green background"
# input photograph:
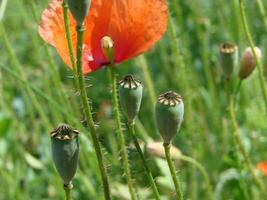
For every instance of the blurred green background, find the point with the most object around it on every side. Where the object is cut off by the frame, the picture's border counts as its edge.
(36, 94)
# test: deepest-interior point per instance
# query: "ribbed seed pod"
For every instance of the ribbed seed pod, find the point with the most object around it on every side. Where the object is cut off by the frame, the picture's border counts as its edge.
(169, 115)
(248, 63)
(79, 9)
(228, 58)
(65, 151)
(130, 93)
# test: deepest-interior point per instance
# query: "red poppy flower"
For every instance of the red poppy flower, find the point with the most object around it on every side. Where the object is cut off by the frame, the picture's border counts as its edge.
(262, 166)
(133, 25)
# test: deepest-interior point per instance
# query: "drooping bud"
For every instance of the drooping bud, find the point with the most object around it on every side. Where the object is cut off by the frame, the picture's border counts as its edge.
(228, 58)
(65, 151)
(169, 115)
(248, 63)
(130, 93)
(107, 46)
(79, 9)
(157, 150)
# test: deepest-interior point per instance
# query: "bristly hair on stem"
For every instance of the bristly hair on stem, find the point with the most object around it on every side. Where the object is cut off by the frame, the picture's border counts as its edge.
(107, 46)
(176, 181)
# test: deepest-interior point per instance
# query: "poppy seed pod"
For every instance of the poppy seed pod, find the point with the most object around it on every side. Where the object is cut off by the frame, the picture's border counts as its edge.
(65, 151)
(248, 63)
(169, 115)
(228, 58)
(79, 9)
(130, 93)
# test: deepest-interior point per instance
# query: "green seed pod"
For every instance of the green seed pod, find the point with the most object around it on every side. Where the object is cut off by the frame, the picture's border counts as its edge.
(169, 115)
(229, 58)
(79, 9)
(65, 151)
(248, 63)
(130, 92)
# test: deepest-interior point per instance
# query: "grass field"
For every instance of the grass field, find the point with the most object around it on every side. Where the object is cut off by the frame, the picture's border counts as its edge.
(37, 93)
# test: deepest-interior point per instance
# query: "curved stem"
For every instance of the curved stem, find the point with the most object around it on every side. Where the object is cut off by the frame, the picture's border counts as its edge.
(242, 150)
(120, 132)
(88, 113)
(202, 170)
(238, 142)
(179, 195)
(148, 172)
(258, 63)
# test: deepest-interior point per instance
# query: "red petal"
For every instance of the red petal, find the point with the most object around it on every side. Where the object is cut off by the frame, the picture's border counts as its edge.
(134, 25)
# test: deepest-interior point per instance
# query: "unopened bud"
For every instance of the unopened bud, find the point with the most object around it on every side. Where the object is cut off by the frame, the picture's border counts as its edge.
(169, 115)
(130, 92)
(65, 151)
(157, 150)
(248, 63)
(229, 57)
(107, 46)
(79, 9)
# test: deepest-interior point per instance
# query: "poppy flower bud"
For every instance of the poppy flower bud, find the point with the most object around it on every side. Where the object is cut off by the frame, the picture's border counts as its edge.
(130, 92)
(107, 46)
(79, 9)
(169, 115)
(228, 56)
(65, 151)
(248, 63)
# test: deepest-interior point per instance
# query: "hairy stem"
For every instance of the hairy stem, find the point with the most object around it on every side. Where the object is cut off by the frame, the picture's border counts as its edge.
(88, 113)
(242, 150)
(177, 185)
(120, 132)
(203, 171)
(238, 142)
(67, 29)
(147, 170)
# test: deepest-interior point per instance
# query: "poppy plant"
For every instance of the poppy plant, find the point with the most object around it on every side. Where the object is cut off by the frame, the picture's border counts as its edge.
(133, 25)
(262, 166)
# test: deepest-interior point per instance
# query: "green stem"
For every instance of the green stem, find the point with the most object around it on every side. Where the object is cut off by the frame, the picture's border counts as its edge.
(68, 191)
(179, 195)
(203, 171)
(237, 91)
(67, 29)
(184, 85)
(120, 132)
(258, 63)
(139, 150)
(262, 11)
(242, 150)
(88, 113)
